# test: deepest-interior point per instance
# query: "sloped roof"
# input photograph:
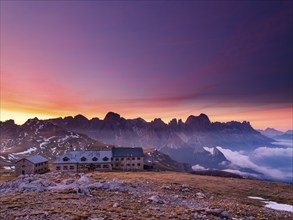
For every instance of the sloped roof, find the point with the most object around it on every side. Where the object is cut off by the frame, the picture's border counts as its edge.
(85, 157)
(37, 159)
(127, 152)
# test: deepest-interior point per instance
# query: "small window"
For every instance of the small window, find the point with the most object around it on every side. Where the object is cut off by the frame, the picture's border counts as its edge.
(57, 168)
(138, 164)
(65, 168)
(133, 158)
(95, 159)
(23, 166)
(105, 166)
(128, 165)
(83, 159)
(122, 158)
(117, 159)
(133, 164)
(98, 166)
(128, 158)
(105, 159)
(71, 167)
(65, 159)
(117, 165)
(138, 158)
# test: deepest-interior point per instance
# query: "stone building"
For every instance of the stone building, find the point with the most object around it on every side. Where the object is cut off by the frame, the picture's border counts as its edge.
(127, 158)
(84, 161)
(31, 165)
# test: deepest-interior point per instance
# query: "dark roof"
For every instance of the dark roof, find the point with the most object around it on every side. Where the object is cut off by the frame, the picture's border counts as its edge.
(75, 157)
(37, 159)
(127, 151)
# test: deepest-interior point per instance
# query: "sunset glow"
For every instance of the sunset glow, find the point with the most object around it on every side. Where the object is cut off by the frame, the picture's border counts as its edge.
(148, 59)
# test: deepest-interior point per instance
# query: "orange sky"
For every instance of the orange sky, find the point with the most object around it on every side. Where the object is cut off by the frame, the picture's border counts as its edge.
(231, 60)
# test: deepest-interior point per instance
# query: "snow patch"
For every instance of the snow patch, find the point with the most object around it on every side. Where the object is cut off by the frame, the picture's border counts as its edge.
(28, 151)
(3, 157)
(274, 205)
(209, 149)
(279, 206)
(257, 198)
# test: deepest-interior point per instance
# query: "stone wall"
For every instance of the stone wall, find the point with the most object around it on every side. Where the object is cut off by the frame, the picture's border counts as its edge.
(24, 166)
(127, 163)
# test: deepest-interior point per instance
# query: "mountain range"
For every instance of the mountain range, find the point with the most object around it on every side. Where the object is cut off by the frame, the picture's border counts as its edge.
(184, 142)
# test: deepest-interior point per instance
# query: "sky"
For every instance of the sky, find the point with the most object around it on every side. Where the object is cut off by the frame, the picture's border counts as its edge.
(232, 60)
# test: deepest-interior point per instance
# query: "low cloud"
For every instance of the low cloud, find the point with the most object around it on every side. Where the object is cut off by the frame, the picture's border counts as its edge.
(242, 160)
(198, 168)
(262, 152)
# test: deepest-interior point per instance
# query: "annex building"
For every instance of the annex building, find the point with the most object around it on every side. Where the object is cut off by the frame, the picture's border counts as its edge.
(31, 165)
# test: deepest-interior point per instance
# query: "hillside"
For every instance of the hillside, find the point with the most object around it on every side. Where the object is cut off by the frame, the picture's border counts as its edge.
(140, 195)
(39, 137)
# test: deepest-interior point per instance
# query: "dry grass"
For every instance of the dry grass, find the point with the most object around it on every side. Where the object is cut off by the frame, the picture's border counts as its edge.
(239, 188)
(223, 193)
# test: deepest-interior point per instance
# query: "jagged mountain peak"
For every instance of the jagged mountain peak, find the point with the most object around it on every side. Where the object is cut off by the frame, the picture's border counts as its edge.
(158, 123)
(112, 116)
(80, 117)
(8, 123)
(198, 122)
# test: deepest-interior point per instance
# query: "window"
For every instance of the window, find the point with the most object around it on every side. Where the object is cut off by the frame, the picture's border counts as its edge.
(95, 159)
(117, 165)
(133, 158)
(133, 164)
(128, 158)
(105, 166)
(83, 159)
(71, 167)
(138, 158)
(117, 159)
(138, 164)
(98, 166)
(128, 165)
(58, 168)
(65, 168)
(65, 159)
(105, 159)
(122, 158)
(23, 166)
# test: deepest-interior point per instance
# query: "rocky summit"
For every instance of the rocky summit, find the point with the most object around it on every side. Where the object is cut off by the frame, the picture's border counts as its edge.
(139, 195)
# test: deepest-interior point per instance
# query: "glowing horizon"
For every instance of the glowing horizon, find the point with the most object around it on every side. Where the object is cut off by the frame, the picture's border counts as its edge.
(229, 60)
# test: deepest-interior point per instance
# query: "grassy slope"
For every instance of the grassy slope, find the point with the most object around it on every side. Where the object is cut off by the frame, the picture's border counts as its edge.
(230, 187)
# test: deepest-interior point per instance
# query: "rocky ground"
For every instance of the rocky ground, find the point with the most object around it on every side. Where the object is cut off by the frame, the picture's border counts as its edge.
(138, 195)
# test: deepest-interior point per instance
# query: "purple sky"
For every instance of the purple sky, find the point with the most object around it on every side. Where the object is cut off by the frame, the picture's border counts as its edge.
(229, 59)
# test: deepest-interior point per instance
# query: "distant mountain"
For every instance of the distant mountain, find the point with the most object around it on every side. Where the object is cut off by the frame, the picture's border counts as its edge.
(288, 135)
(271, 132)
(182, 141)
(275, 134)
(195, 132)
